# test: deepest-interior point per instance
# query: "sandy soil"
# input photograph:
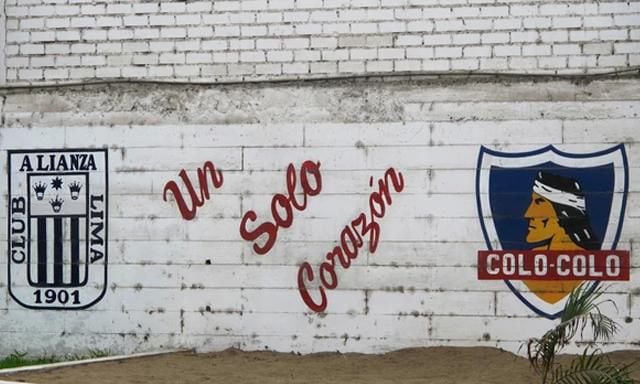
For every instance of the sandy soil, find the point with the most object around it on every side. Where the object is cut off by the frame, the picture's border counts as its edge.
(418, 365)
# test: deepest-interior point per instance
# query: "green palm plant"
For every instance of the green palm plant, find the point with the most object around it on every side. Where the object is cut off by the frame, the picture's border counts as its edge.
(581, 311)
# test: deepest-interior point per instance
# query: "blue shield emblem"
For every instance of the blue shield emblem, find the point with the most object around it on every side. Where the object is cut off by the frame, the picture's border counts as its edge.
(505, 186)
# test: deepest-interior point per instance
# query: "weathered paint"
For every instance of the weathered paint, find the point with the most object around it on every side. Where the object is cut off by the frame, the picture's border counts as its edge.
(176, 283)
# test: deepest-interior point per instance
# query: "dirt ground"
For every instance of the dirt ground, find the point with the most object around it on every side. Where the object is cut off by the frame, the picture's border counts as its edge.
(417, 365)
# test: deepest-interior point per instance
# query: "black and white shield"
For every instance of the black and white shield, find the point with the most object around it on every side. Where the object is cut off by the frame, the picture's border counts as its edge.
(57, 225)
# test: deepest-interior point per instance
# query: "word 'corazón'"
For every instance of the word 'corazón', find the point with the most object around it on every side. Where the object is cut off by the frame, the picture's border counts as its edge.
(351, 240)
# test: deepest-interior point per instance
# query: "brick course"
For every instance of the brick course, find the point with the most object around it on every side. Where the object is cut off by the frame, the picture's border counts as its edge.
(461, 35)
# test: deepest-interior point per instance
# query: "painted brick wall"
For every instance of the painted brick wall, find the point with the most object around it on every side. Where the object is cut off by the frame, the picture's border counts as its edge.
(178, 283)
(56, 41)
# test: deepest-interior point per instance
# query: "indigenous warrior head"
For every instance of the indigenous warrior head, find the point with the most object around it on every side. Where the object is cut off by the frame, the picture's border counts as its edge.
(557, 215)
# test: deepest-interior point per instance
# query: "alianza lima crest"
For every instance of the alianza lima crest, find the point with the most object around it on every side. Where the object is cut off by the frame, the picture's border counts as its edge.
(57, 225)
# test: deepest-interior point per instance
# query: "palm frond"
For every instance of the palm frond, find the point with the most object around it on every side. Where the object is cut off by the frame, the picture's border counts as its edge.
(583, 308)
(541, 352)
(592, 368)
(581, 311)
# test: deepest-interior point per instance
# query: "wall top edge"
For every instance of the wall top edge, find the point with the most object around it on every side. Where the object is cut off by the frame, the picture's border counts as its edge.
(436, 78)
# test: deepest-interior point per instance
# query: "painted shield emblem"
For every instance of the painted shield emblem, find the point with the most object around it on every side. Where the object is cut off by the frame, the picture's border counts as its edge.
(551, 221)
(58, 227)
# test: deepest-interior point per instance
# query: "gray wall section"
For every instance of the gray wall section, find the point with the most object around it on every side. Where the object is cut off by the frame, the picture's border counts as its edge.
(352, 101)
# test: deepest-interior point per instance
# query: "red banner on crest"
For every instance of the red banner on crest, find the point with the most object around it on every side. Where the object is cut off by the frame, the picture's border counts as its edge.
(553, 265)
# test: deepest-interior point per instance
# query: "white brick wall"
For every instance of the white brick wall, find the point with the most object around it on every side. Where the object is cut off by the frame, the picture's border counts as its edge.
(244, 39)
(173, 283)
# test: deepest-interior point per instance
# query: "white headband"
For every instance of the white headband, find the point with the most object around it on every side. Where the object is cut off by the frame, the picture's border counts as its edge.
(558, 196)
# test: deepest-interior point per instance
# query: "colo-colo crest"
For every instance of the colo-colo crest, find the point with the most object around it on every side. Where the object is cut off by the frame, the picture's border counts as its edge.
(57, 227)
(551, 222)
